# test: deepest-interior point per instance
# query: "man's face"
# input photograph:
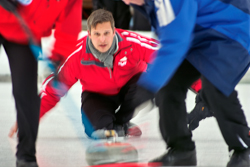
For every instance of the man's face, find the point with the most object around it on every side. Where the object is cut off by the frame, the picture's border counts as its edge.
(102, 36)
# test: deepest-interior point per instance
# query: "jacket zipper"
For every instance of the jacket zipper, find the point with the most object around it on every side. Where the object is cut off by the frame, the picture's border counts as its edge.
(110, 73)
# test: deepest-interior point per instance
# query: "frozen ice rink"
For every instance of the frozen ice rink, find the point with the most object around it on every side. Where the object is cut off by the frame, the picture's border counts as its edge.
(62, 143)
(61, 140)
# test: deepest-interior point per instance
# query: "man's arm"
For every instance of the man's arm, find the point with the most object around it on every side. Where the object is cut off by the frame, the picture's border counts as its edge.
(55, 88)
(67, 29)
(145, 46)
(175, 34)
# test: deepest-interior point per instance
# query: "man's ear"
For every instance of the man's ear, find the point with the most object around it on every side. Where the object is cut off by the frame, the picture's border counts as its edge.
(114, 32)
(89, 34)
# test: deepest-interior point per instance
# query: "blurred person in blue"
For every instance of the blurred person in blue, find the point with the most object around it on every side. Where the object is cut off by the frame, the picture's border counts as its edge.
(199, 38)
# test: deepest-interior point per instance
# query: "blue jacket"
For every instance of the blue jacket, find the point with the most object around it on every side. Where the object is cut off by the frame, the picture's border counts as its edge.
(213, 35)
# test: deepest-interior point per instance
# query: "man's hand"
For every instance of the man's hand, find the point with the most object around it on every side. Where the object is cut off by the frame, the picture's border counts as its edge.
(136, 2)
(56, 60)
(13, 130)
(199, 113)
(9, 5)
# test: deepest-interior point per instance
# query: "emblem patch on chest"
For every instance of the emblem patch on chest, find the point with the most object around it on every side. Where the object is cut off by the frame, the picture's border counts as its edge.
(123, 61)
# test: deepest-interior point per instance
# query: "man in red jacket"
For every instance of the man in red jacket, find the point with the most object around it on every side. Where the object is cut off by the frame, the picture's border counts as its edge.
(108, 63)
(40, 17)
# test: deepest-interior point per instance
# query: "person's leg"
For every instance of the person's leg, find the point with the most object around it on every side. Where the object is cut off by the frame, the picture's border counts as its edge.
(119, 10)
(122, 15)
(173, 117)
(97, 4)
(23, 67)
(128, 104)
(230, 117)
(140, 22)
(1, 40)
(99, 110)
(107, 5)
(172, 107)
(229, 114)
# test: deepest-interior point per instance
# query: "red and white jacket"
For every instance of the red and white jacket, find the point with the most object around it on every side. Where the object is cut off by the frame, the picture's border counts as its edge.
(134, 52)
(42, 16)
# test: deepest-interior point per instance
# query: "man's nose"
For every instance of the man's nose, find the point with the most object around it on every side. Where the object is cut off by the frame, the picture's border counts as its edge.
(102, 38)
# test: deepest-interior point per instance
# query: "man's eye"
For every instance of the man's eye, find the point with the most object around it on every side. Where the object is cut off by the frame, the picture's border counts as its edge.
(97, 34)
(106, 33)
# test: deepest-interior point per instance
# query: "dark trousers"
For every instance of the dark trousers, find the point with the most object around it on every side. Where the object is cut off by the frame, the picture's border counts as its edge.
(100, 110)
(140, 22)
(119, 9)
(23, 67)
(173, 115)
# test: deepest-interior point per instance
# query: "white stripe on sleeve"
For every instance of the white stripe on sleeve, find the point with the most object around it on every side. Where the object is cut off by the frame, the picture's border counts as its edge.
(165, 13)
(77, 50)
(141, 43)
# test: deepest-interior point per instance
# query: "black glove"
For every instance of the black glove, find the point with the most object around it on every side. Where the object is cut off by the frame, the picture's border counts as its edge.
(57, 60)
(54, 66)
(10, 5)
(199, 112)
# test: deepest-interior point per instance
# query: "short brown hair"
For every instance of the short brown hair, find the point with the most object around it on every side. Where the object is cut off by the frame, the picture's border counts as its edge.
(100, 16)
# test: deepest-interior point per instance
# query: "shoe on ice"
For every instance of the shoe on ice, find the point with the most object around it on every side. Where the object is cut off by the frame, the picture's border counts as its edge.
(133, 130)
(199, 112)
(240, 159)
(23, 163)
(177, 157)
(128, 129)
